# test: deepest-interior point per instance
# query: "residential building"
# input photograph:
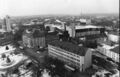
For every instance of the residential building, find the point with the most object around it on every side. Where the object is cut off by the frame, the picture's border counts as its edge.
(34, 38)
(72, 54)
(110, 50)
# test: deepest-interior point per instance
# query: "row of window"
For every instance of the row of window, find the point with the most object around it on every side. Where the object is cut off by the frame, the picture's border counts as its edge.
(109, 54)
(87, 33)
(34, 42)
(65, 55)
(59, 49)
(65, 59)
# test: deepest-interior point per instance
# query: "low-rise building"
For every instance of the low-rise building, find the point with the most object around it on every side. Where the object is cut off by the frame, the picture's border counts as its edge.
(71, 54)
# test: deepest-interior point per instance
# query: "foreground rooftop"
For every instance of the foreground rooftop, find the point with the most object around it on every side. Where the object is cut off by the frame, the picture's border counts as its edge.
(80, 50)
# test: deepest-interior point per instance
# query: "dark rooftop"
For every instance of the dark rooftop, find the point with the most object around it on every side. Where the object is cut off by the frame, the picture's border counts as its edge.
(36, 26)
(34, 33)
(114, 33)
(70, 47)
(116, 49)
(38, 33)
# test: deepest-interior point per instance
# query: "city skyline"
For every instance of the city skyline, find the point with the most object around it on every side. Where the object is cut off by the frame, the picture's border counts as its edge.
(67, 7)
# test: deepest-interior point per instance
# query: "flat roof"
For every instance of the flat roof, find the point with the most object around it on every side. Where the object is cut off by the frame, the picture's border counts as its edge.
(68, 46)
(86, 26)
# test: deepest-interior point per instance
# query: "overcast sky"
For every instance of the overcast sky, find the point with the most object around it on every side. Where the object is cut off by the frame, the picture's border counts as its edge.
(38, 7)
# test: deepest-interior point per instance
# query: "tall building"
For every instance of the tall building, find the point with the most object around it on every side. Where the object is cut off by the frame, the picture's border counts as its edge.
(34, 38)
(7, 24)
(71, 54)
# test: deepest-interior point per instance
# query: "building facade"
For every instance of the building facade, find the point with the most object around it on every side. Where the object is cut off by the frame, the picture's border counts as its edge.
(110, 51)
(34, 38)
(84, 30)
(81, 61)
(7, 24)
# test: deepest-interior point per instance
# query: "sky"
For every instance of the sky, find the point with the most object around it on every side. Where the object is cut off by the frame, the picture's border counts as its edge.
(41, 7)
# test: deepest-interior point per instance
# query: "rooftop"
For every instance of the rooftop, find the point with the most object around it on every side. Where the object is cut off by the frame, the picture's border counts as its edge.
(34, 33)
(116, 49)
(70, 47)
(87, 26)
(107, 42)
(114, 33)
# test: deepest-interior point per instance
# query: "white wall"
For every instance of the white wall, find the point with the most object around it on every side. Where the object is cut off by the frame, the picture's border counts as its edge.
(88, 59)
(113, 38)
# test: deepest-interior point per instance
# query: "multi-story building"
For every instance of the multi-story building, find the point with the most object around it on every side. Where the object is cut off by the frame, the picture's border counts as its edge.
(34, 38)
(71, 54)
(7, 24)
(110, 50)
(84, 30)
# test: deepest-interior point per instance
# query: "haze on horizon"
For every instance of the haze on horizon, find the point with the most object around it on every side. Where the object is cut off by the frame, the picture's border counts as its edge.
(44, 7)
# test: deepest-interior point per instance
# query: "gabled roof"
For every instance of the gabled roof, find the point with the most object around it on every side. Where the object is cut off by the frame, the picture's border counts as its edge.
(116, 49)
(70, 47)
